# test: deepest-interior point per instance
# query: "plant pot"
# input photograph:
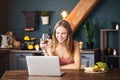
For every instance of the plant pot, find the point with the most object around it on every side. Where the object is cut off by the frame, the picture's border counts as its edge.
(89, 45)
(45, 20)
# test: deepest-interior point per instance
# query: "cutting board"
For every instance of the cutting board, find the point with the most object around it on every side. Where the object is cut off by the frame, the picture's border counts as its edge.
(80, 12)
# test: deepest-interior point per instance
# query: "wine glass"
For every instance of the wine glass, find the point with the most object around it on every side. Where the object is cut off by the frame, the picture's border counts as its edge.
(45, 36)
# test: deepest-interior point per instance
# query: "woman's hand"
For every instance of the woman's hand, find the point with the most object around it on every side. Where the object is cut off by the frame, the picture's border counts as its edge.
(43, 45)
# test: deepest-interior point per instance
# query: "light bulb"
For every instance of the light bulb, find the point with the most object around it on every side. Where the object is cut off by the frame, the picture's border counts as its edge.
(64, 14)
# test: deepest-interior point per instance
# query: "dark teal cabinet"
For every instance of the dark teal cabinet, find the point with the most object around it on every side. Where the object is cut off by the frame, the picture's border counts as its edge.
(4, 62)
(18, 61)
(90, 56)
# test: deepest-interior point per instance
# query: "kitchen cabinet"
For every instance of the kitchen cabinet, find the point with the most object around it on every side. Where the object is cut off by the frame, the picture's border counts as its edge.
(18, 61)
(18, 58)
(4, 61)
(90, 56)
(110, 39)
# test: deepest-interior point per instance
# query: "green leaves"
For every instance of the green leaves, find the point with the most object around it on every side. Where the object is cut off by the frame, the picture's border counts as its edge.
(44, 13)
(89, 30)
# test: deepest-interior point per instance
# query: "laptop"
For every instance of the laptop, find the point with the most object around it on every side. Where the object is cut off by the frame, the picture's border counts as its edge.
(43, 66)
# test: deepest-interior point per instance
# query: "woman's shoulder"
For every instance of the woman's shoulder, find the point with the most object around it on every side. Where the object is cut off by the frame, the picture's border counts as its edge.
(75, 41)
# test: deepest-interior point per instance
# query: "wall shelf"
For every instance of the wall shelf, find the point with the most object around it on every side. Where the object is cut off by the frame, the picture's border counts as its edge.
(110, 59)
(33, 18)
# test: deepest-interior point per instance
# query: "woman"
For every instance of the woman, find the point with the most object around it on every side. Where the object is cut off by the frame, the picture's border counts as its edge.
(64, 46)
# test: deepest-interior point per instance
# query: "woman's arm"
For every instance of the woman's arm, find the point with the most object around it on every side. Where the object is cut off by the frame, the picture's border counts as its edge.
(77, 59)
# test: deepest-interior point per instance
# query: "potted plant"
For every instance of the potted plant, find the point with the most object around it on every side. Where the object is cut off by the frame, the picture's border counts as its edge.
(44, 17)
(89, 32)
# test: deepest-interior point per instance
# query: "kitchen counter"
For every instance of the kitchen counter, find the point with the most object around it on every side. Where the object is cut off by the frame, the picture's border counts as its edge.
(14, 50)
(3, 50)
(26, 51)
(89, 50)
(40, 51)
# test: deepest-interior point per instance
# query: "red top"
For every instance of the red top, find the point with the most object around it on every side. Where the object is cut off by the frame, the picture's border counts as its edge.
(64, 61)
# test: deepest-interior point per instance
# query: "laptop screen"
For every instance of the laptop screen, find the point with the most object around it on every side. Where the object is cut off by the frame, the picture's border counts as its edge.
(43, 65)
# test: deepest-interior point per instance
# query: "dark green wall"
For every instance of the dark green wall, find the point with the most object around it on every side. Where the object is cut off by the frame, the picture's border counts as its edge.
(106, 11)
(3, 16)
(16, 19)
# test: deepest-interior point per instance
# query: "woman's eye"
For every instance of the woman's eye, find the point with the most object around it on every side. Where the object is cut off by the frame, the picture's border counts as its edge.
(57, 32)
(63, 33)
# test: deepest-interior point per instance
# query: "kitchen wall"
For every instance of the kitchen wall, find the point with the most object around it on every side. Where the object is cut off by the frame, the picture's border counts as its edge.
(106, 11)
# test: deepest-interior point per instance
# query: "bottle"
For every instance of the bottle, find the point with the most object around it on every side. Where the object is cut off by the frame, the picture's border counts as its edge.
(114, 52)
(117, 26)
(49, 33)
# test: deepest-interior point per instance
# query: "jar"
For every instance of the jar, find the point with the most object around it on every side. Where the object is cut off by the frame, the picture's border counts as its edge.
(17, 44)
(81, 45)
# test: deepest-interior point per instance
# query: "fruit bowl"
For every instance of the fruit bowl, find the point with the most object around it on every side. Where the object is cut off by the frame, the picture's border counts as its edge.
(99, 67)
(90, 70)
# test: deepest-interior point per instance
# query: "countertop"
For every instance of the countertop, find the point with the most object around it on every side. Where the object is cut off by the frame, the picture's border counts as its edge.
(27, 51)
(40, 51)
(89, 50)
(112, 74)
(3, 50)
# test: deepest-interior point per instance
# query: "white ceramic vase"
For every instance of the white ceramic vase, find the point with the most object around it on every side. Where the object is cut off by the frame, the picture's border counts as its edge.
(45, 20)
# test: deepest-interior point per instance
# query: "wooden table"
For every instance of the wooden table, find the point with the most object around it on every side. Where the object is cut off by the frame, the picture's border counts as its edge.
(112, 74)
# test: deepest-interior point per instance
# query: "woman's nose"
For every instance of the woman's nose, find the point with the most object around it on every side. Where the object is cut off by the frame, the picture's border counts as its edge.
(60, 35)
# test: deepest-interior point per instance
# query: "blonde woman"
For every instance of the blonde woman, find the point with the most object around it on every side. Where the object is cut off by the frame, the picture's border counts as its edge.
(64, 46)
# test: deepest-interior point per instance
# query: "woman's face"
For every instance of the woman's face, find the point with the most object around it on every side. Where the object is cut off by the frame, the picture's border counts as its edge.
(61, 34)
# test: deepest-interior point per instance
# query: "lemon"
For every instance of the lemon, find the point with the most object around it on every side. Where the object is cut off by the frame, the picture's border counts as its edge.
(30, 46)
(96, 68)
(26, 38)
(36, 46)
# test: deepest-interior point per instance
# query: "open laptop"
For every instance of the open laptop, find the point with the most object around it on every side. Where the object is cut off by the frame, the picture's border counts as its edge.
(43, 66)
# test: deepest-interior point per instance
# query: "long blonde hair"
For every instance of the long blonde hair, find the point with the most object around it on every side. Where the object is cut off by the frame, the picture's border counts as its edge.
(69, 41)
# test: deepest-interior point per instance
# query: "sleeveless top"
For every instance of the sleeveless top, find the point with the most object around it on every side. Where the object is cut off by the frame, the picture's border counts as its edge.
(64, 61)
